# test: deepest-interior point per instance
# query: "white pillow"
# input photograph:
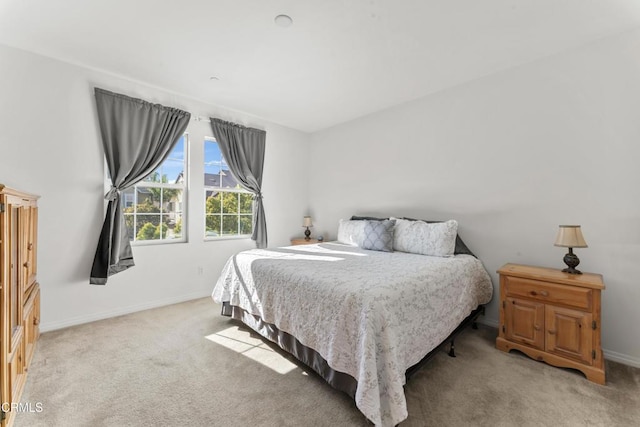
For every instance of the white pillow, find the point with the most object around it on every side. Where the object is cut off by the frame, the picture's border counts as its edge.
(419, 237)
(351, 232)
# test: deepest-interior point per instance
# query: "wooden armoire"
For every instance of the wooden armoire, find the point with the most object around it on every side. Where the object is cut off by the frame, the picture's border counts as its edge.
(19, 295)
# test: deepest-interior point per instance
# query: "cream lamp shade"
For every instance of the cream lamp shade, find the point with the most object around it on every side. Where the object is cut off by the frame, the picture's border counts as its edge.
(306, 222)
(570, 236)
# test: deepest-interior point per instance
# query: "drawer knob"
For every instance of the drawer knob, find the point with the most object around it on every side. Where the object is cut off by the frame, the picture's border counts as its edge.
(542, 293)
(536, 327)
(552, 332)
(26, 264)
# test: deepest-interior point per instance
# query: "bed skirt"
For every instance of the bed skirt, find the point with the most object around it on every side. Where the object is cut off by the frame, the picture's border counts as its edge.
(311, 358)
(308, 356)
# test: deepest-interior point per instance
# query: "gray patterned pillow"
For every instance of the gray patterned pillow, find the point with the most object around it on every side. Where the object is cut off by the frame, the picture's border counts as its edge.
(378, 235)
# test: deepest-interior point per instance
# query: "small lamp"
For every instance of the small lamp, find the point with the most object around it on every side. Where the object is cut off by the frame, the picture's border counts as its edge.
(306, 222)
(570, 236)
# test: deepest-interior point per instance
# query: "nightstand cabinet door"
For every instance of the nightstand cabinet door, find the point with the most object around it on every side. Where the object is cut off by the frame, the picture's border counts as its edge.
(525, 322)
(569, 333)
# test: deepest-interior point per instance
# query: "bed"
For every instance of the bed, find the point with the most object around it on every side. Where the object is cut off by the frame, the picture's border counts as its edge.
(360, 318)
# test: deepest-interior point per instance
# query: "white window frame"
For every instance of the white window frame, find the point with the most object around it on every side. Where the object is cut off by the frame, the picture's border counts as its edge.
(208, 188)
(183, 186)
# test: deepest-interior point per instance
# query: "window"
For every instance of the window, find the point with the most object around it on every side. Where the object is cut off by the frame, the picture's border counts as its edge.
(154, 209)
(228, 207)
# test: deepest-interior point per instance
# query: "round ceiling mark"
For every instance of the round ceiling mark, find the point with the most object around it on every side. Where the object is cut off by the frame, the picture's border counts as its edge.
(283, 21)
(214, 78)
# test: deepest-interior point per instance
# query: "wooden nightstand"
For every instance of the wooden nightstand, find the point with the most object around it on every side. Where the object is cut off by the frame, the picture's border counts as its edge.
(301, 241)
(553, 317)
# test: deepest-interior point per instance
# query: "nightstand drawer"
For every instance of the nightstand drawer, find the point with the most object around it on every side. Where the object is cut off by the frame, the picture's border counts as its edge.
(542, 291)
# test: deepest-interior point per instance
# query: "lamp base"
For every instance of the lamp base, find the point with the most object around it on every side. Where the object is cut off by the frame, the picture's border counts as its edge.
(571, 271)
(307, 234)
(572, 262)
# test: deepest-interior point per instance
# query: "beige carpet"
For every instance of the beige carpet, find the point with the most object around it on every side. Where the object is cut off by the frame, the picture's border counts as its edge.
(185, 365)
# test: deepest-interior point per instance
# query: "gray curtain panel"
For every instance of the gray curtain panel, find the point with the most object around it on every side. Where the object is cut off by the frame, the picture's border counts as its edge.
(137, 136)
(243, 149)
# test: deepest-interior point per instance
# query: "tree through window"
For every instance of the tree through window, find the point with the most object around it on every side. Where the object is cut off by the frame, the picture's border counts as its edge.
(228, 206)
(154, 209)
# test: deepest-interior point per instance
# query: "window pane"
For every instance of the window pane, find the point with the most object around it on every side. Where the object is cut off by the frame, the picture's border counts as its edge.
(155, 206)
(212, 164)
(246, 203)
(147, 200)
(212, 225)
(175, 228)
(245, 224)
(129, 221)
(172, 169)
(216, 170)
(227, 179)
(146, 227)
(156, 213)
(212, 202)
(178, 151)
(230, 203)
(226, 212)
(162, 229)
(171, 200)
(172, 206)
(222, 179)
(212, 180)
(128, 199)
(229, 224)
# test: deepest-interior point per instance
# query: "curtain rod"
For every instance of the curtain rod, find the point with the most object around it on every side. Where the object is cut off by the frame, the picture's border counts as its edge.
(200, 119)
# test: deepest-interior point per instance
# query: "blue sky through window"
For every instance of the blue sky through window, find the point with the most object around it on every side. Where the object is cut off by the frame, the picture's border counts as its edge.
(213, 161)
(174, 164)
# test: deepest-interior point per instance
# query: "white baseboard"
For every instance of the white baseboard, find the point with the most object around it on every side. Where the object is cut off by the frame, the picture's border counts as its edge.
(608, 354)
(52, 326)
(621, 358)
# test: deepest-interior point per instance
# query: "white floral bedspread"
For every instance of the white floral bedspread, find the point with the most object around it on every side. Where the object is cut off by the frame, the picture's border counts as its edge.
(370, 314)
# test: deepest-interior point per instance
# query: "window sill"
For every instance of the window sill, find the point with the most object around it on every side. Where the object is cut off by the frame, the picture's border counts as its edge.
(156, 242)
(232, 237)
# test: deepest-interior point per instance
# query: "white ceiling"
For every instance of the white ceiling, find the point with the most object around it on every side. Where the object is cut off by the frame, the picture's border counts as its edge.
(340, 59)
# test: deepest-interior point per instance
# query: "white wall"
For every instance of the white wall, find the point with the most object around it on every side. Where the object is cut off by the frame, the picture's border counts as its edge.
(50, 145)
(510, 156)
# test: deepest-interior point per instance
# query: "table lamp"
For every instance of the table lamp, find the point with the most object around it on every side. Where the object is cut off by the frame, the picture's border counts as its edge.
(306, 222)
(570, 236)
